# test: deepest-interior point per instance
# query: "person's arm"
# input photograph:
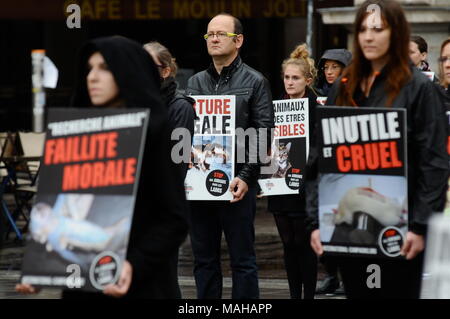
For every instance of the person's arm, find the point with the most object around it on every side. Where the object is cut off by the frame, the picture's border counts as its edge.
(261, 116)
(311, 191)
(122, 286)
(430, 160)
(430, 164)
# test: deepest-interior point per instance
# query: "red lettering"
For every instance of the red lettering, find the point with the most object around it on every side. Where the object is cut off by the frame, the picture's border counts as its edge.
(86, 176)
(358, 162)
(199, 106)
(84, 148)
(226, 106)
(75, 156)
(302, 129)
(218, 175)
(384, 155)
(99, 174)
(218, 106)
(390, 233)
(372, 158)
(49, 151)
(342, 155)
(276, 132)
(109, 177)
(119, 175)
(70, 177)
(111, 151)
(59, 151)
(130, 170)
(97, 178)
(101, 147)
(105, 260)
(394, 155)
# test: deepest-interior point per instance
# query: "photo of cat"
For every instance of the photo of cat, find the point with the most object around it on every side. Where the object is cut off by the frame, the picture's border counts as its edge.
(280, 157)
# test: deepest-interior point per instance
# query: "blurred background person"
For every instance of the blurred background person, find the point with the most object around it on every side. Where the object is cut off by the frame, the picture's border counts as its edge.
(444, 66)
(330, 66)
(444, 94)
(418, 52)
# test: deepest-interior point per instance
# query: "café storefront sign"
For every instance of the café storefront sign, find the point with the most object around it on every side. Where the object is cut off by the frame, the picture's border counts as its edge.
(153, 9)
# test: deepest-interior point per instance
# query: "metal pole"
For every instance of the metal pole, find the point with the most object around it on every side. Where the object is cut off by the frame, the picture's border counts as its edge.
(37, 60)
(309, 27)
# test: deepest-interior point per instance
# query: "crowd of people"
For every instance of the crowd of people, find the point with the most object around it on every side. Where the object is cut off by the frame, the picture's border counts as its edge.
(383, 70)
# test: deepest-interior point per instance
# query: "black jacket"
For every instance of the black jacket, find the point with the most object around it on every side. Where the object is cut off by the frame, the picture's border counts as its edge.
(159, 224)
(181, 113)
(294, 205)
(253, 103)
(427, 157)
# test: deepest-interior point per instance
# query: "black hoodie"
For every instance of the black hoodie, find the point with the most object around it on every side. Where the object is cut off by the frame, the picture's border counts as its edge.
(159, 223)
(342, 56)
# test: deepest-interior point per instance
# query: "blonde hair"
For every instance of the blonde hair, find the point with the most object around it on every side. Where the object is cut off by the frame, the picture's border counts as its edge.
(300, 57)
(163, 55)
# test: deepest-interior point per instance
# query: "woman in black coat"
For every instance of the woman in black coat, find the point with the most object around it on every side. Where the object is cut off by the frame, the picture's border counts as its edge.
(381, 76)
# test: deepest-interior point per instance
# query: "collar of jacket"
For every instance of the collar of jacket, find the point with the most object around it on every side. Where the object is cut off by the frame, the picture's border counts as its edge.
(227, 71)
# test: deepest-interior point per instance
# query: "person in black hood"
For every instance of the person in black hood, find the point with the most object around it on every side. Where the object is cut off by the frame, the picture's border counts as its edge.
(381, 75)
(330, 66)
(298, 73)
(118, 72)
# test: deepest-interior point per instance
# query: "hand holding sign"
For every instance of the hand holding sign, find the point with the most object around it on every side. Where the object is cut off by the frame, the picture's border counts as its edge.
(238, 188)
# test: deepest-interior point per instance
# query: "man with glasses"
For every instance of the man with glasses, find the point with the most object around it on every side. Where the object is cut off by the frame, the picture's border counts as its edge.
(228, 75)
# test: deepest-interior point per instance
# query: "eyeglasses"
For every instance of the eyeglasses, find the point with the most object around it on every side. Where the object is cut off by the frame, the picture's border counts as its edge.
(219, 35)
(162, 66)
(443, 59)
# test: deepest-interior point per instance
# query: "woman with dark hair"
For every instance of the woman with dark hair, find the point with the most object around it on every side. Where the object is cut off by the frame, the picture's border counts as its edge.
(330, 66)
(381, 76)
(298, 73)
(418, 52)
(116, 72)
